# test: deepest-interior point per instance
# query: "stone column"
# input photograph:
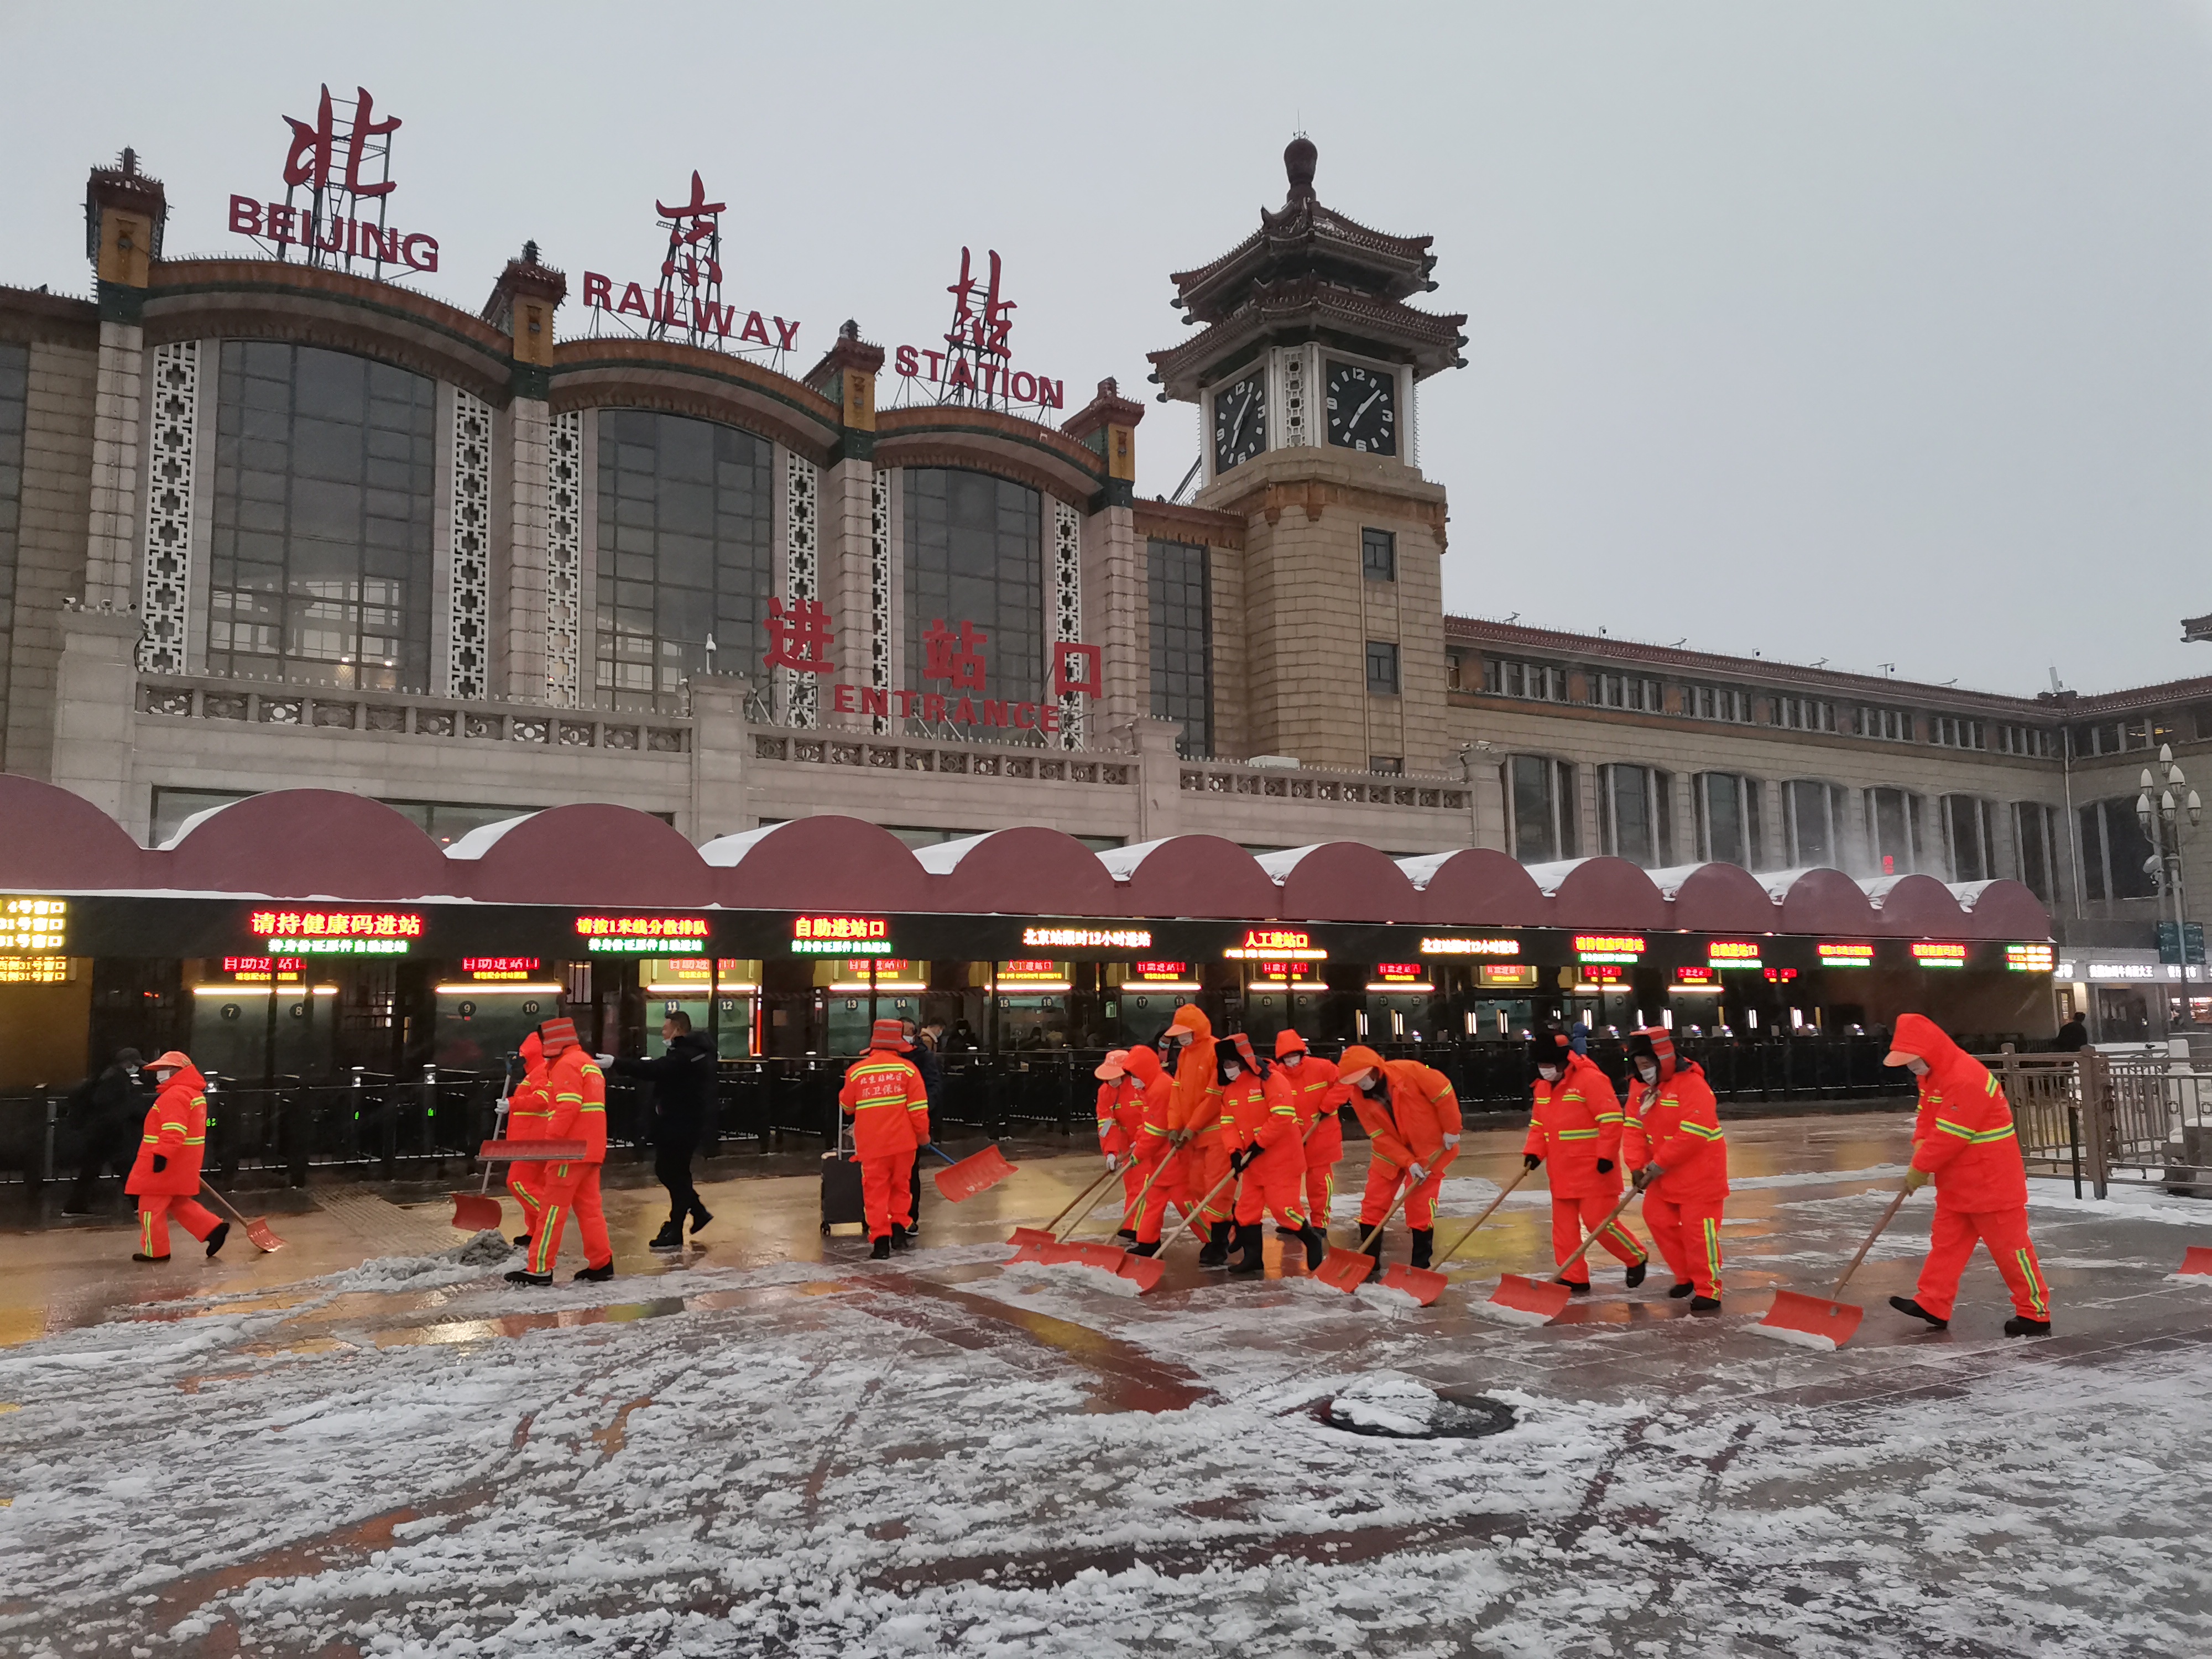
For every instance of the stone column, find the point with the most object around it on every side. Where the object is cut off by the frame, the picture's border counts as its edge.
(1112, 565)
(94, 710)
(1159, 778)
(719, 746)
(127, 210)
(529, 665)
(854, 569)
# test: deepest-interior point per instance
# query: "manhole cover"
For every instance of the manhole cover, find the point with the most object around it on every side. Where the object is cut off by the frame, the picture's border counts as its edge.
(1395, 1406)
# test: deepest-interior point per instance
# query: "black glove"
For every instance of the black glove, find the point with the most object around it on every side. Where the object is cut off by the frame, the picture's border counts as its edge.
(1530, 1160)
(1605, 1166)
(1237, 1161)
(161, 1163)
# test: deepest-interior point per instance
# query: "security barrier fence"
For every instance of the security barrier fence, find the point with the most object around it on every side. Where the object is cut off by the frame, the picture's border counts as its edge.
(378, 1126)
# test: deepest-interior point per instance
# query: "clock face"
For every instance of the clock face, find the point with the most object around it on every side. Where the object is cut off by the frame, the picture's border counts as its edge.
(1240, 421)
(1363, 407)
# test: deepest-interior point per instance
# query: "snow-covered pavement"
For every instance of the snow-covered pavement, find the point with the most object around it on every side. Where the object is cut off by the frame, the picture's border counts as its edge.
(774, 1447)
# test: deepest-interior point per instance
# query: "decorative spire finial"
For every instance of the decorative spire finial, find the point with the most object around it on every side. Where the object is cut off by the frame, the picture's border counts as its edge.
(1298, 161)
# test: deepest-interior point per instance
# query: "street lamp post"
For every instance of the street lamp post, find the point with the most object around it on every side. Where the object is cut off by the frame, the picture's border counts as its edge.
(2160, 819)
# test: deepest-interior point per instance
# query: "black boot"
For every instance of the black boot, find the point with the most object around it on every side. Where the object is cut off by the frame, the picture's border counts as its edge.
(1905, 1304)
(1317, 1244)
(1374, 1253)
(522, 1241)
(1425, 1244)
(524, 1276)
(1704, 1304)
(1216, 1245)
(136, 1257)
(1575, 1286)
(2019, 1325)
(222, 1231)
(700, 1216)
(1635, 1275)
(1248, 1245)
(598, 1275)
(670, 1237)
(901, 1238)
(881, 1252)
(1678, 1292)
(1129, 1233)
(1153, 1249)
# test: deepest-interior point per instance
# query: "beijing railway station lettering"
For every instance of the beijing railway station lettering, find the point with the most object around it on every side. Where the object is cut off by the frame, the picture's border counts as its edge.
(331, 159)
(693, 263)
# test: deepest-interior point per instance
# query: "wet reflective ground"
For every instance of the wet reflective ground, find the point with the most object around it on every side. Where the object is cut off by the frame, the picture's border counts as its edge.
(771, 1444)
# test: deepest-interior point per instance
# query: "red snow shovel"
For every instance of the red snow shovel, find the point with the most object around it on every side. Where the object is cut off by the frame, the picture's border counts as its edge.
(1425, 1285)
(2197, 1259)
(257, 1229)
(976, 1173)
(1347, 1270)
(1547, 1298)
(1028, 1241)
(1143, 1271)
(479, 1212)
(1108, 1257)
(1836, 1320)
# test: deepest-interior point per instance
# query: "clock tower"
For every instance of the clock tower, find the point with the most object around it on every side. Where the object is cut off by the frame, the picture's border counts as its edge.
(1305, 370)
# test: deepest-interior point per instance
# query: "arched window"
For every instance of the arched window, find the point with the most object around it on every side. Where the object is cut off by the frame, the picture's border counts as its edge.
(325, 472)
(975, 554)
(686, 551)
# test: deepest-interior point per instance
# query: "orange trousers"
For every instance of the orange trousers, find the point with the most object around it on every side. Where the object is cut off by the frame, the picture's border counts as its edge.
(1133, 1182)
(1950, 1245)
(1689, 1236)
(887, 1191)
(154, 1210)
(1570, 1217)
(1383, 1180)
(527, 1183)
(1208, 1163)
(570, 1186)
(1273, 1181)
(1321, 1190)
(1171, 1186)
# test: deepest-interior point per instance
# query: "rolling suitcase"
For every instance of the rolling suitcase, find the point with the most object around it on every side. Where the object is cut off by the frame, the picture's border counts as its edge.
(841, 1204)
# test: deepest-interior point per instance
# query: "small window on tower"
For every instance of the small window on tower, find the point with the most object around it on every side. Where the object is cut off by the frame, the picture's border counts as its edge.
(1382, 667)
(1378, 555)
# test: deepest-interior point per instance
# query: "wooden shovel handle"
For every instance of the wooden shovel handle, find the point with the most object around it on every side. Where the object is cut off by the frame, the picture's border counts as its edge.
(1195, 1211)
(1627, 1198)
(1082, 1199)
(1405, 1192)
(1447, 1254)
(1880, 1227)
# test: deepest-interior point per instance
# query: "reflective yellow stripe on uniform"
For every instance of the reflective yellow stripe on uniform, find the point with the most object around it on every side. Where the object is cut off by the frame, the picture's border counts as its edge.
(1701, 1131)
(1575, 1134)
(1983, 1138)
(1951, 1128)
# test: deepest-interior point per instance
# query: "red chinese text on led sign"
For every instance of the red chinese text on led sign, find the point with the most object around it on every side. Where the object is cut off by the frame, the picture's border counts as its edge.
(337, 924)
(1930, 953)
(1158, 969)
(1608, 947)
(1601, 975)
(840, 927)
(642, 926)
(1696, 976)
(1276, 938)
(1398, 972)
(262, 964)
(1843, 953)
(499, 964)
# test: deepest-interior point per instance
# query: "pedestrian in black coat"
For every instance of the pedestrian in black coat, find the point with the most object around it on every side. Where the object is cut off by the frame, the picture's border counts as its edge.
(683, 1081)
(105, 1113)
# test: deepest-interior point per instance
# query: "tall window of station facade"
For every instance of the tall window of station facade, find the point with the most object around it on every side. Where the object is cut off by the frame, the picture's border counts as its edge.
(1179, 584)
(1378, 555)
(1636, 815)
(14, 404)
(1732, 820)
(1812, 822)
(320, 561)
(2114, 852)
(1896, 823)
(1540, 792)
(975, 554)
(1968, 830)
(1382, 668)
(686, 551)
(2035, 834)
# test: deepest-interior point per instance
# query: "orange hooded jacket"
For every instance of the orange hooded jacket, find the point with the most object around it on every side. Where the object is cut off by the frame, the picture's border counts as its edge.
(1158, 1101)
(1964, 1134)
(579, 1089)
(1576, 1123)
(530, 1106)
(176, 1131)
(1121, 1113)
(1409, 1126)
(1258, 1110)
(1197, 1101)
(877, 1085)
(1678, 1129)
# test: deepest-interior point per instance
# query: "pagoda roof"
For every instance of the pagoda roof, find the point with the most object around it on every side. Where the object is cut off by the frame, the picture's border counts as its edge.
(1305, 309)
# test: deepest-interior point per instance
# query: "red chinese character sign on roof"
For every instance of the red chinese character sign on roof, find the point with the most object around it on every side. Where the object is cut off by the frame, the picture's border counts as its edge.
(686, 302)
(799, 636)
(958, 657)
(975, 366)
(342, 162)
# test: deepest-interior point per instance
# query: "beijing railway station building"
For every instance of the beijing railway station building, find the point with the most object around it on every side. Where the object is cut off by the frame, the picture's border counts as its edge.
(382, 675)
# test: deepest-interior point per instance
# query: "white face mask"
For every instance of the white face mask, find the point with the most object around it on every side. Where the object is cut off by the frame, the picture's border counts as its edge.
(1648, 1070)
(1549, 1074)
(1916, 1066)
(1292, 1059)
(1234, 1069)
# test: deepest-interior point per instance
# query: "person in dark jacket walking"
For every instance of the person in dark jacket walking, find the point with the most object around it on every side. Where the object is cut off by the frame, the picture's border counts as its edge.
(2072, 1035)
(682, 1082)
(105, 1111)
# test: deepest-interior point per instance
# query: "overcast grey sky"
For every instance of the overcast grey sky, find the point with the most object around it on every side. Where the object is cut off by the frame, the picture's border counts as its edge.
(1874, 332)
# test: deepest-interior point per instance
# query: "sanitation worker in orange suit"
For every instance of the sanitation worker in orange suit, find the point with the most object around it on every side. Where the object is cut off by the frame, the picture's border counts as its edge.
(1195, 1127)
(1163, 1166)
(1260, 1122)
(530, 1117)
(1963, 1141)
(1121, 1121)
(579, 1089)
(884, 1096)
(167, 1173)
(1319, 1096)
(1681, 1160)
(1575, 1129)
(1412, 1119)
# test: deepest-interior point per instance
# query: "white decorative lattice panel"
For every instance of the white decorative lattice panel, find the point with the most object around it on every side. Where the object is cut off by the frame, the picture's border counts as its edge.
(802, 572)
(1067, 607)
(469, 620)
(879, 591)
(564, 557)
(1294, 399)
(165, 588)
